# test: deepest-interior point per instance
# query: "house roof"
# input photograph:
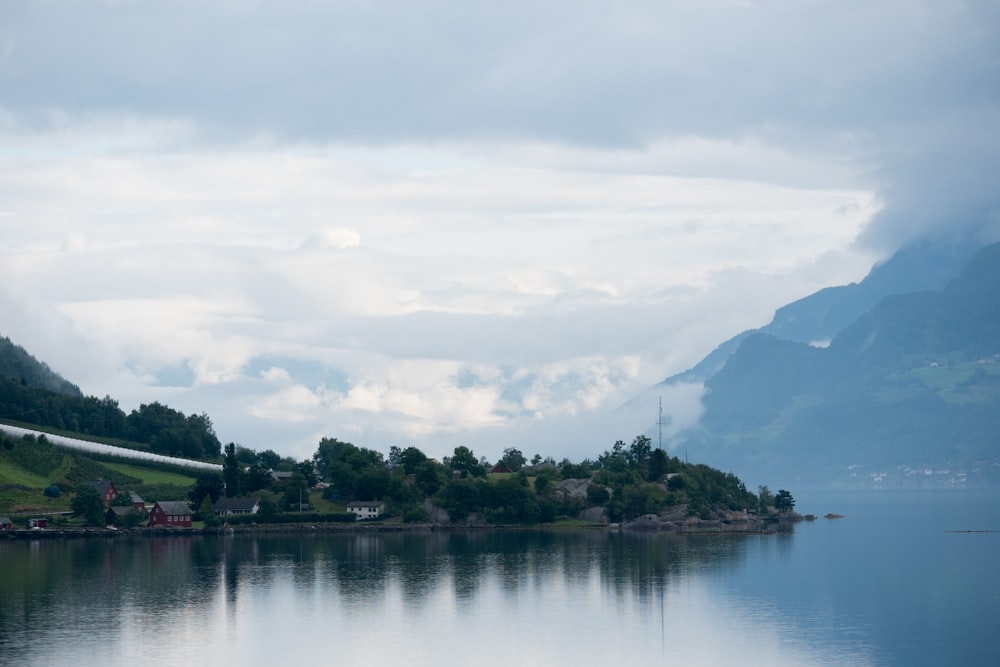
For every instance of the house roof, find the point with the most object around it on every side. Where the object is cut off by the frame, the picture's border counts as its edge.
(174, 507)
(101, 485)
(359, 504)
(136, 498)
(235, 504)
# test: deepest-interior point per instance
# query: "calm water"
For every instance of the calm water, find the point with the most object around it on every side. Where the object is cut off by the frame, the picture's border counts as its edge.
(886, 585)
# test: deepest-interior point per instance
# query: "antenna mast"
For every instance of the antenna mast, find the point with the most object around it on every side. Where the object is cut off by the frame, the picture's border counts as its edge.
(659, 424)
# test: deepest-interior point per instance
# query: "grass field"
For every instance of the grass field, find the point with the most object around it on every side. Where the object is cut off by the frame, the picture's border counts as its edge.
(150, 476)
(15, 500)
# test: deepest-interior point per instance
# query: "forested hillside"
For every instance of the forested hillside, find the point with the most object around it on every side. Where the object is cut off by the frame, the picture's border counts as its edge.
(153, 427)
(16, 364)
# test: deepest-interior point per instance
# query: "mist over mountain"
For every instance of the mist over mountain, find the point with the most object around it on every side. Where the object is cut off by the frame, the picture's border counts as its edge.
(907, 393)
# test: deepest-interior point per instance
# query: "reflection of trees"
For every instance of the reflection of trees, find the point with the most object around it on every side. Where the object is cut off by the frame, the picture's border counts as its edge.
(97, 585)
(644, 564)
(104, 584)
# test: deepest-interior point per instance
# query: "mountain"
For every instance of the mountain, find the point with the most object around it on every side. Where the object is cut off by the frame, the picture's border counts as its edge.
(18, 365)
(817, 318)
(908, 393)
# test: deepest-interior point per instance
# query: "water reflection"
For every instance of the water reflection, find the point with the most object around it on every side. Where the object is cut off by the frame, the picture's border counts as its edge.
(400, 598)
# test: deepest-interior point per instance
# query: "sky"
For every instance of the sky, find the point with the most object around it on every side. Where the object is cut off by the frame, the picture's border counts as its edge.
(441, 223)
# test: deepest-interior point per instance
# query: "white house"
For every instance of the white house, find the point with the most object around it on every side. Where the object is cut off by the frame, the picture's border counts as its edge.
(230, 506)
(366, 509)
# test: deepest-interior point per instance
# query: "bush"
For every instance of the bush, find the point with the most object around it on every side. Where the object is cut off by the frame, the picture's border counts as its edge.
(52, 491)
(597, 494)
(415, 514)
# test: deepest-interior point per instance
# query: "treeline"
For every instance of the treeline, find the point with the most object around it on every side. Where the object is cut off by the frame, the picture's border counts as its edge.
(624, 482)
(154, 427)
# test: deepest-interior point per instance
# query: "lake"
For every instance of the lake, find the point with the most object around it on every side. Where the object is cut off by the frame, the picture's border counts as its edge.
(889, 584)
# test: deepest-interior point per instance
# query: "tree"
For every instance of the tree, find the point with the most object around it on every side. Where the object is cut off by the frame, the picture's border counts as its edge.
(308, 470)
(640, 449)
(209, 484)
(657, 465)
(88, 504)
(395, 456)
(783, 502)
(296, 492)
(464, 462)
(257, 477)
(269, 459)
(411, 458)
(513, 459)
(123, 499)
(231, 473)
(765, 498)
(208, 513)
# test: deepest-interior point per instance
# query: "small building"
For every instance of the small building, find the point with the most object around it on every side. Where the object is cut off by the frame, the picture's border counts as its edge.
(233, 506)
(174, 513)
(366, 509)
(137, 502)
(38, 523)
(6, 523)
(281, 476)
(106, 489)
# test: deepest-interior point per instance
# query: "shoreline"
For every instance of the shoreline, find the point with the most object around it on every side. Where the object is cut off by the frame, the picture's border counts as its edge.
(644, 524)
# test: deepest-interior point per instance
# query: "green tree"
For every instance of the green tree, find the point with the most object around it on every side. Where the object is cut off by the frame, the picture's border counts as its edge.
(231, 472)
(87, 503)
(269, 459)
(410, 458)
(783, 501)
(597, 494)
(512, 459)
(395, 456)
(765, 498)
(207, 513)
(639, 450)
(209, 484)
(296, 492)
(464, 462)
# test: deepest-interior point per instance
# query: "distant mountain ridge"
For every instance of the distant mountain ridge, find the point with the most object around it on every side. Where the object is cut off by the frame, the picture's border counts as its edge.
(909, 392)
(820, 316)
(18, 365)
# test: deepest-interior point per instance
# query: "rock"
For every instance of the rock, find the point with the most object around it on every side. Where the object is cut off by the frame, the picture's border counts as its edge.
(594, 515)
(435, 514)
(574, 488)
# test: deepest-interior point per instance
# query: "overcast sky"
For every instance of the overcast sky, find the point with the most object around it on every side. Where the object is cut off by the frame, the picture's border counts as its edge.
(447, 222)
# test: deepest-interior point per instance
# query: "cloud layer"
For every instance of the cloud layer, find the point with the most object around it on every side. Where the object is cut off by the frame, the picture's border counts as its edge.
(443, 224)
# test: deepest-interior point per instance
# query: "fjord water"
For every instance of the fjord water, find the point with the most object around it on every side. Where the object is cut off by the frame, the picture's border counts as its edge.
(889, 584)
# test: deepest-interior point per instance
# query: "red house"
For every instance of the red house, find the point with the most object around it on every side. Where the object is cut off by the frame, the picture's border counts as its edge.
(106, 489)
(170, 513)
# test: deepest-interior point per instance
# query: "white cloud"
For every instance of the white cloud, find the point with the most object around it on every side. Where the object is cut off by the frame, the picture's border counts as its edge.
(442, 220)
